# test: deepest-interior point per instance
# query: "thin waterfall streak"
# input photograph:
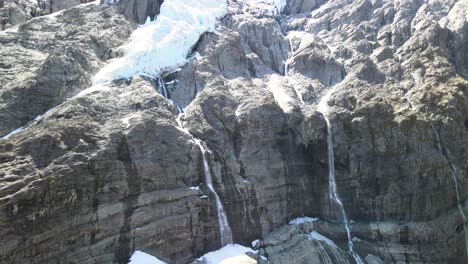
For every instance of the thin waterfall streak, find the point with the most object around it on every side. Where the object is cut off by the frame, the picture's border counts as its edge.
(454, 177)
(456, 186)
(225, 231)
(224, 228)
(333, 191)
(286, 69)
(162, 88)
(289, 59)
(181, 111)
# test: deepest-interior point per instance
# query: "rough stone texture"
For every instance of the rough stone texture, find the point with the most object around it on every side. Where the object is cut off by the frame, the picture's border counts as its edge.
(14, 12)
(52, 6)
(48, 59)
(109, 171)
(99, 177)
(295, 244)
(260, 158)
(379, 57)
(301, 6)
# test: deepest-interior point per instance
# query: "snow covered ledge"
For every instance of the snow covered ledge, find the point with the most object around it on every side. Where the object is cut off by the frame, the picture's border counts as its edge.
(229, 254)
(164, 44)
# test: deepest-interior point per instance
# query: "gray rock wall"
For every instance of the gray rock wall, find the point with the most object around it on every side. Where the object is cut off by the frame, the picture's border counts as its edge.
(140, 11)
(109, 171)
(47, 60)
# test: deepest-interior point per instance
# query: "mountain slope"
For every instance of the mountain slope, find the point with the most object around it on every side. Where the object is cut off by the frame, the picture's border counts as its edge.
(99, 171)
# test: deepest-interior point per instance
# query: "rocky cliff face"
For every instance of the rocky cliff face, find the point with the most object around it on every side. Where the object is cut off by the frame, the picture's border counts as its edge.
(51, 58)
(15, 12)
(140, 10)
(113, 168)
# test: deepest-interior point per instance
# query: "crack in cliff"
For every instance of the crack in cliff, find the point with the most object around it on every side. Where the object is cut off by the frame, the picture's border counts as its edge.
(123, 249)
(187, 206)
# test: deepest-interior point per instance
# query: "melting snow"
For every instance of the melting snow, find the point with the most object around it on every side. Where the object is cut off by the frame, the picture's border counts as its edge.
(126, 120)
(255, 243)
(271, 6)
(16, 131)
(142, 258)
(229, 254)
(357, 239)
(323, 106)
(302, 220)
(284, 100)
(35, 120)
(92, 89)
(317, 236)
(163, 45)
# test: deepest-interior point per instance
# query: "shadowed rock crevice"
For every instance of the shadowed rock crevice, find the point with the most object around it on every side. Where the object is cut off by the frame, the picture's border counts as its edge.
(140, 10)
(125, 243)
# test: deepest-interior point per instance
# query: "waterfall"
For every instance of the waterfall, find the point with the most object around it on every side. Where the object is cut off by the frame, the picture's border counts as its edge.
(332, 190)
(452, 172)
(286, 69)
(224, 229)
(456, 185)
(162, 89)
(291, 57)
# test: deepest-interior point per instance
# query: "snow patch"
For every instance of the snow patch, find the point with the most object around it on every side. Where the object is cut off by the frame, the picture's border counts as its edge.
(317, 236)
(126, 120)
(256, 243)
(303, 220)
(163, 45)
(323, 106)
(92, 89)
(35, 120)
(142, 258)
(284, 100)
(271, 6)
(357, 239)
(229, 254)
(16, 131)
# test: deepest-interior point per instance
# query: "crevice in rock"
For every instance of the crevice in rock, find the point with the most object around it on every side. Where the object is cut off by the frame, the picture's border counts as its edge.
(125, 247)
(193, 248)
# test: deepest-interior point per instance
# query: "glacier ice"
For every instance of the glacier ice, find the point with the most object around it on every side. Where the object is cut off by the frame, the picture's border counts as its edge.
(162, 46)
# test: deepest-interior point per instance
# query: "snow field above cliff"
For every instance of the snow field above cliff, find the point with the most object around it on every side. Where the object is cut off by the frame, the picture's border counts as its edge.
(163, 45)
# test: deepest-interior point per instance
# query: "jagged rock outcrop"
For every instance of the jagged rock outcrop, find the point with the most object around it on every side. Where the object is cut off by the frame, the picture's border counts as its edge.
(110, 170)
(52, 6)
(14, 12)
(301, 244)
(140, 10)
